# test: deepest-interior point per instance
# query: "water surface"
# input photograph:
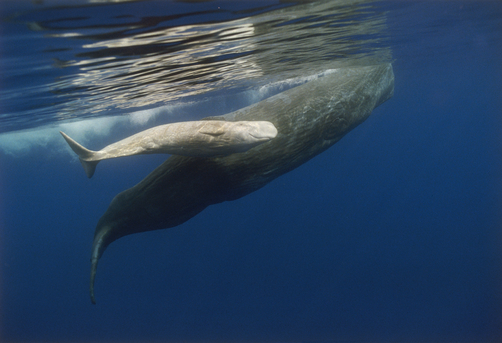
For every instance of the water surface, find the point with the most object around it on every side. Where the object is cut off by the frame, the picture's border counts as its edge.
(393, 234)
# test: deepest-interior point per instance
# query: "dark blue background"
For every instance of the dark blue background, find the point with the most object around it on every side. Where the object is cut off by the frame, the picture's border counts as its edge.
(393, 234)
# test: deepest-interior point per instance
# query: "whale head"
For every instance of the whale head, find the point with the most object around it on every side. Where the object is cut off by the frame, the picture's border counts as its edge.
(248, 134)
(260, 131)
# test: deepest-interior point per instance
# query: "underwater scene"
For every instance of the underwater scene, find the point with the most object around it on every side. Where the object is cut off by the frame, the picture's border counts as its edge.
(236, 171)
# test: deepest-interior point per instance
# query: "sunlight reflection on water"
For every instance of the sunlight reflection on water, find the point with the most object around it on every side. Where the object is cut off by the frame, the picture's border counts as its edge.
(117, 60)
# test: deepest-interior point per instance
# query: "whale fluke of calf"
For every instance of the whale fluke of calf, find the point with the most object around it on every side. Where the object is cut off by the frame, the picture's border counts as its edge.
(203, 138)
(309, 118)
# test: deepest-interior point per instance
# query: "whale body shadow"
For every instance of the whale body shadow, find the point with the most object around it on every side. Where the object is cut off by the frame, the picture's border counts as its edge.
(309, 118)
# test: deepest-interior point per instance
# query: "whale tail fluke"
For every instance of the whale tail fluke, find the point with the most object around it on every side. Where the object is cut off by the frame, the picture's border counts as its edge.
(94, 267)
(84, 155)
(101, 240)
(89, 167)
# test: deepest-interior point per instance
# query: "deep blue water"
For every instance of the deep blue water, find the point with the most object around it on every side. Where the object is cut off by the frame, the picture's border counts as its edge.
(393, 234)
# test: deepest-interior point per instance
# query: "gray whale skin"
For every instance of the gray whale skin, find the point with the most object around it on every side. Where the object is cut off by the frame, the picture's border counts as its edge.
(309, 119)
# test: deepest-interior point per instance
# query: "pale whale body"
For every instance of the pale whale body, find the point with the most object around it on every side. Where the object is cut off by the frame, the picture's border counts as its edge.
(204, 138)
(309, 118)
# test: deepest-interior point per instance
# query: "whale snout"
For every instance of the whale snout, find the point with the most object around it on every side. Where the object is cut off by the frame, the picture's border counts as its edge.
(264, 131)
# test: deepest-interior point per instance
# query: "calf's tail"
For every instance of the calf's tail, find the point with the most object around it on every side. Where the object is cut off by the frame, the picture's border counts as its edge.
(85, 155)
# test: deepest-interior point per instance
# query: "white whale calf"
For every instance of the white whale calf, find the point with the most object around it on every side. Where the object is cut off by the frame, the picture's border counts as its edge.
(204, 138)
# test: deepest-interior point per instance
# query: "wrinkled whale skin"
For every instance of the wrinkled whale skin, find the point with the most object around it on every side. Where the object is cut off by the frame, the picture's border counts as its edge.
(309, 118)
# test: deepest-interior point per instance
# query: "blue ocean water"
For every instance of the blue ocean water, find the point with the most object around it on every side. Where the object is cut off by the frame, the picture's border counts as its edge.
(393, 234)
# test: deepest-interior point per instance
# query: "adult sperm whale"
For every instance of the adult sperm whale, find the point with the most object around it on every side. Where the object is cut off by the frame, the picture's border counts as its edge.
(205, 138)
(309, 118)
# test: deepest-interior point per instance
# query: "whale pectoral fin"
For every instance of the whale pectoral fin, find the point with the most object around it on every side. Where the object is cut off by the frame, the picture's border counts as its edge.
(212, 129)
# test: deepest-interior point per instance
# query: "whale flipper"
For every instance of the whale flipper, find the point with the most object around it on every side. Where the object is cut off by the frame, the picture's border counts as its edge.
(83, 155)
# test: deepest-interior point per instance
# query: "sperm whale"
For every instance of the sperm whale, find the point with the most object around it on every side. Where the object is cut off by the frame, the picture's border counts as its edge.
(204, 138)
(309, 118)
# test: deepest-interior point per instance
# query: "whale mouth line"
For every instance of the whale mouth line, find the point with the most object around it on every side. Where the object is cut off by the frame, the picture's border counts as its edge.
(261, 138)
